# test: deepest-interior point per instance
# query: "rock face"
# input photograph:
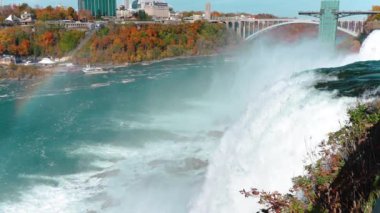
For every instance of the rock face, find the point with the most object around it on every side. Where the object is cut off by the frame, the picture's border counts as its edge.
(358, 178)
(371, 26)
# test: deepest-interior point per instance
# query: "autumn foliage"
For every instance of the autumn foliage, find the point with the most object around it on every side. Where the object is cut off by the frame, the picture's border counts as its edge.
(41, 14)
(14, 41)
(131, 43)
(374, 17)
(21, 41)
(55, 13)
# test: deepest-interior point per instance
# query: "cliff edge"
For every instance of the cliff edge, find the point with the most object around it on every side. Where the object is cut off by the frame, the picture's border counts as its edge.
(346, 176)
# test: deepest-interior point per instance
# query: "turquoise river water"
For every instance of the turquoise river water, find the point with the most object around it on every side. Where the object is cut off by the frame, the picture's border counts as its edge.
(181, 135)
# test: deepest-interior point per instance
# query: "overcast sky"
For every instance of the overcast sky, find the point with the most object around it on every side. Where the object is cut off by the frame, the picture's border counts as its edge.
(287, 8)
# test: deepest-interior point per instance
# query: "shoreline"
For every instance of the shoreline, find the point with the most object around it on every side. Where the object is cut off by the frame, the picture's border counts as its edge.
(70, 67)
(146, 63)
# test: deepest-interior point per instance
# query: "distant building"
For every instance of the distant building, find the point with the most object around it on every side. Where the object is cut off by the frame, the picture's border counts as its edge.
(140, 4)
(26, 19)
(143, 3)
(135, 4)
(25, 15)
(126, 4)
(122, 13)
(71, 25)
(158, 10)
(208, 11)
(82, 26)
(12, 19)
(175, 16)
(193, 18)
(98, 7)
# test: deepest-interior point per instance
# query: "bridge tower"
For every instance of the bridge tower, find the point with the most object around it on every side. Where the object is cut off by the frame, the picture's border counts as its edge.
(328, 21)
(329, 16)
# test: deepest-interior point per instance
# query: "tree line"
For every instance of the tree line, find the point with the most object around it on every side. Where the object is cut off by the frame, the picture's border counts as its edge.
(44, 13)
(38, 41)
(132, 43)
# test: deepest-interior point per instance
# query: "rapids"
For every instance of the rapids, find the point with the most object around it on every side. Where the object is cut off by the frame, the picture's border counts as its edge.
(285, 121)
(183, 135)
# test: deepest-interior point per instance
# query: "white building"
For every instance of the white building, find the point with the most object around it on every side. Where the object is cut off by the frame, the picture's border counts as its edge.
(25, 15)
(156, 9)
(12, 19)
(83, 26)
(208, 11)
(126, 4)
(122, 13)
(143, 3)
(46, 62)
(26, 19)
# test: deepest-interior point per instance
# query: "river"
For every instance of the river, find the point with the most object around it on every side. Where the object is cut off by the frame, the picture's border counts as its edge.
(182, 135)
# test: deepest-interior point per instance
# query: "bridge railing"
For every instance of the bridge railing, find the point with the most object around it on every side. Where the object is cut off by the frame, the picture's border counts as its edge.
(249, 19)
(246, 27)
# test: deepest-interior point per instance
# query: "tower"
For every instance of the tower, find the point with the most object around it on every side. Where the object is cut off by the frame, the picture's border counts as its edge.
(98, 8)
(81, 5)
(329, 16)
(126, 4)
(208, 11)
(135, 4)
(328, 21)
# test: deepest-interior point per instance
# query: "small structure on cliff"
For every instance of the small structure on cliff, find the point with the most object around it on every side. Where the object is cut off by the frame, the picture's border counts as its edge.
(7, 60)
(25, 19)
(46, 62)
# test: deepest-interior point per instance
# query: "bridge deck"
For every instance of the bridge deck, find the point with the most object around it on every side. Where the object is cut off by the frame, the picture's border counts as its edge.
(248, 28)
(359, 12)
(341, 13)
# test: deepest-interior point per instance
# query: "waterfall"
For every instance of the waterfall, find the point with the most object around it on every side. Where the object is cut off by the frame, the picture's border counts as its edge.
(286, 119)
(370, 49)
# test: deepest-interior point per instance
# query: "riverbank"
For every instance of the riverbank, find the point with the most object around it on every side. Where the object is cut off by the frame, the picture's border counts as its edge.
(20, 72)
(125, 45)
(118, 45)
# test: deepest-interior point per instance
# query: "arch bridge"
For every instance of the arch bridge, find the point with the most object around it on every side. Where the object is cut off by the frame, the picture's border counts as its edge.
(251, 28)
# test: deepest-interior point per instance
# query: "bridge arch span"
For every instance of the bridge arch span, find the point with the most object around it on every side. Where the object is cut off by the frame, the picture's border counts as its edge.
(258, 33)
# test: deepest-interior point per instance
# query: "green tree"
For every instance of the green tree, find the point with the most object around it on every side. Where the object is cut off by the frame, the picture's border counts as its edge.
(141, 15)
(72, 14)
(69, 40)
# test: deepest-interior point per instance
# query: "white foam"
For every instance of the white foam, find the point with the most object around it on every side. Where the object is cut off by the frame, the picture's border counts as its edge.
(266, 148)
(97, 85)
(69, 195)
(122, 169)
(128, 80)
(285, 118)
(162, 178)
(370, 50)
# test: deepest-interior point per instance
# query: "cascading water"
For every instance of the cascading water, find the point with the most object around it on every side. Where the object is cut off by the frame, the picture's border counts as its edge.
(134, 140)
(140, 139)
(369, 50)
(287, 120)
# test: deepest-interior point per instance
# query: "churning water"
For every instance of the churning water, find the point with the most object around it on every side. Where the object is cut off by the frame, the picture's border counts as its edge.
(177, 136)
